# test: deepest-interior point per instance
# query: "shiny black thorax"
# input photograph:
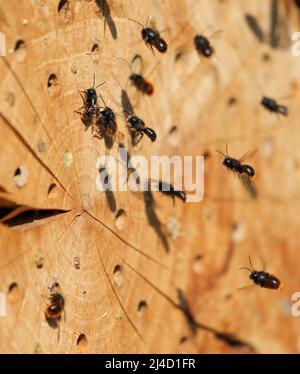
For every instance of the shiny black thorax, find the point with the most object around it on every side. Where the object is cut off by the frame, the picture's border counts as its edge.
(149, 35)
(203, 46)
(90, 98)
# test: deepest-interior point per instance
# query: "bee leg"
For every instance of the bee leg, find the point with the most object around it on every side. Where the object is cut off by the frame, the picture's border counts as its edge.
(150, 48)
(58, 335)
(140, 138)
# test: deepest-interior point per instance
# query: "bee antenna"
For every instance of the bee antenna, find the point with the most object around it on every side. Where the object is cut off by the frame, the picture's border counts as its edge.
(251, 263)
(101, 84)
(220, 152)
(263, 263)
(102, 98)
(130, 19)
(94, 80)
(245, 269)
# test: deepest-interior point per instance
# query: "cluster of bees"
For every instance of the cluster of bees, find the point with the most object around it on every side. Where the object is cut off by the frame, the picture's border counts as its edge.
(102, 120)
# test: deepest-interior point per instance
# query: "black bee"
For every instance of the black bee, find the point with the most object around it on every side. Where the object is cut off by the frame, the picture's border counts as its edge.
(272, 106)
(152, 37)
(168, 189)
(263, 279)
(237, 165)
(141, 84)
(161, 45)
(203, 46)
(55, 309)
(106, 122)
(138, 125)
(90, 105)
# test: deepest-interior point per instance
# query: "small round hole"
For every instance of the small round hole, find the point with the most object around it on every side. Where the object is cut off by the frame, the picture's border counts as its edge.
(231, 101)
(13, 293)
(95, 48)
(64, 11)
(121, 219)
(51, 190)
(68, 159)
(20, 50)
(95, 52)
(142, 307)
(53, 85)
(20, 177)
(238, 232)
(39, 260)
(173, 136)
(117, 275)
(82, 343)
(183, 339)
(266, 57)
(62, 4)
(41, 146)
(197, 264)
(10, 98)
(77, 262)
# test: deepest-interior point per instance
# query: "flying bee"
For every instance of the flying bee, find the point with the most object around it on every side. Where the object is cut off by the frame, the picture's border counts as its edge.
(141, 84)
(244, 171)
(55, 309)
(169, 189)
(138, 125)
(136, 76)
(201, 43)
(262, 278)
(152, 38)
(273, 106)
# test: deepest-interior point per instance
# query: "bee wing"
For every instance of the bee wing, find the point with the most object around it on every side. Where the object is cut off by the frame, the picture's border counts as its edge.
(216, 34)
(244, 178)
(255, 27)
(247, 156)
(137, 64)
(246, 287)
